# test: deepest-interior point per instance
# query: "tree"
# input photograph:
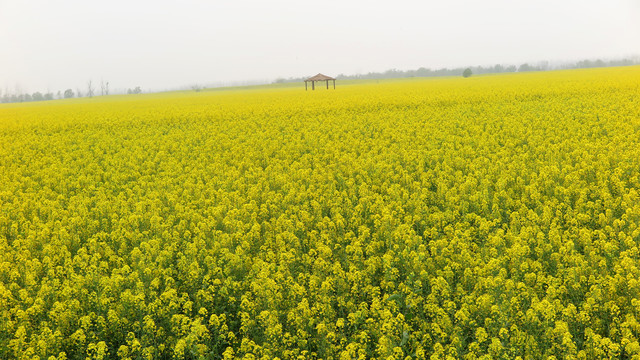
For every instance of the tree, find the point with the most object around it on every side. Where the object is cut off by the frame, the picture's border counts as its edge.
(89, 88)
(68, 93)
(526, 67)
(467, 72)
(104, 88)
(37, 96)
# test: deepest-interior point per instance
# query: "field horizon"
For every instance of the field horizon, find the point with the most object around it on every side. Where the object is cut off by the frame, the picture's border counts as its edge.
(300, 84)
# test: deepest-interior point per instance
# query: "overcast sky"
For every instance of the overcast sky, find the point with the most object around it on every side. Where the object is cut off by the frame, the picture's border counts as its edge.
(169, 44)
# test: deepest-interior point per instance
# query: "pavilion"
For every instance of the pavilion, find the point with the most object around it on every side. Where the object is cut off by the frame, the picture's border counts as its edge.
(319, 77)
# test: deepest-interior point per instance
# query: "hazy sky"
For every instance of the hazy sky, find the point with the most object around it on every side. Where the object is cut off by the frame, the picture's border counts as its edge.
(168, 44)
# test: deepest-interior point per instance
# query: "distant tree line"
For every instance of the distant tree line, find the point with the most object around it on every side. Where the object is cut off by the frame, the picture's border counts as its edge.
(135, 90)
(36, 96)
(18, 96)
(13, 97)
(8, 96)
(498, 68)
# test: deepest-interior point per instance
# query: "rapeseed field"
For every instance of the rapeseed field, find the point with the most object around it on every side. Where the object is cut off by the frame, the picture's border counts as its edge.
(494, 217)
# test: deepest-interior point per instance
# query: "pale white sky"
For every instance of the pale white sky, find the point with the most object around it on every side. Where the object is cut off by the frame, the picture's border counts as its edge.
(169, 44)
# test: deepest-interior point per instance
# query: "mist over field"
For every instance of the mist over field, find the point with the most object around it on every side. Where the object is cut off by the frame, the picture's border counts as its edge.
(51, 46)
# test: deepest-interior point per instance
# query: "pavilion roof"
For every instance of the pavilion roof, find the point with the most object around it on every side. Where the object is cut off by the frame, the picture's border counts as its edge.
(320, 77)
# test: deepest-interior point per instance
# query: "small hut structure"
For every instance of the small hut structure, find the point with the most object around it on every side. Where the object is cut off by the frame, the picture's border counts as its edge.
(319, 77)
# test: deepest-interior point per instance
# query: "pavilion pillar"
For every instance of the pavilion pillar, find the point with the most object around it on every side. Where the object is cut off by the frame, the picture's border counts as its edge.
(327, 84)
(313, 85)
(334, 84)
(305, 86)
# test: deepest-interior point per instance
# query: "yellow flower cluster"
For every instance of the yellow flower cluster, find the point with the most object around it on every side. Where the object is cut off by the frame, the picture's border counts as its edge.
(492, 217)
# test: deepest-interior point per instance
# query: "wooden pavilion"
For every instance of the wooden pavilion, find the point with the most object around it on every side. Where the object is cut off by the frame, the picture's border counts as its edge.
(319, 77)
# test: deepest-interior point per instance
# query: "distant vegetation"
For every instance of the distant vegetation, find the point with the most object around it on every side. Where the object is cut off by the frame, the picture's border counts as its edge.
(498, 68)
(8, 96)
(135, 90)
(17, 95)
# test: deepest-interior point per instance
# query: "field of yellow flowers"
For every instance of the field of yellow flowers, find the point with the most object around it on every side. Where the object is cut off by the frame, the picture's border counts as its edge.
(493, 217)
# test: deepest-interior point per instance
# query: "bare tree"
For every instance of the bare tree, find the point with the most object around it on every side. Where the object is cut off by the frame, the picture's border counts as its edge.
(78, 93)
(104, 88)
(89, 89)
